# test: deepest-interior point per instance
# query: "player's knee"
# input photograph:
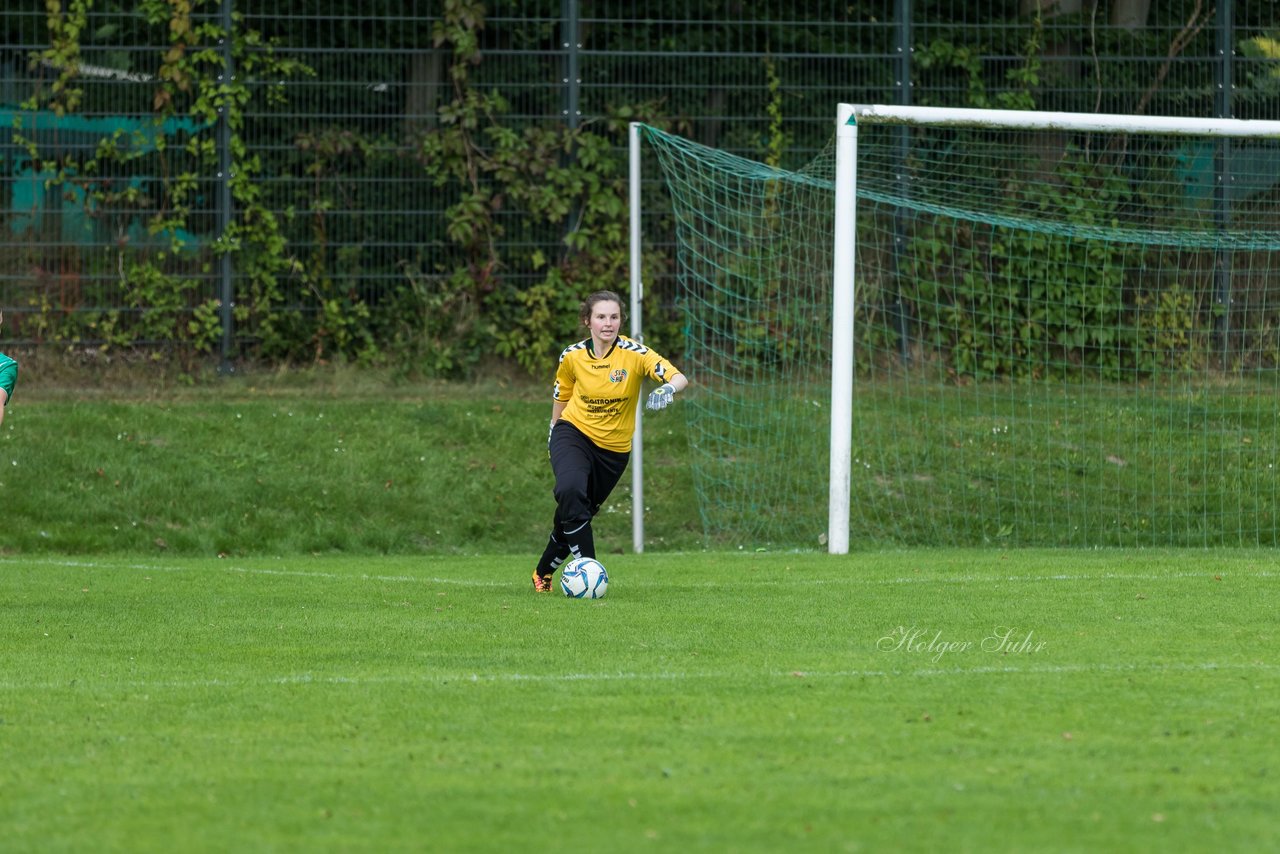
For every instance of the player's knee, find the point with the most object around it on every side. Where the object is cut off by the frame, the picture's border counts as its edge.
(573, 504)
(573, 529)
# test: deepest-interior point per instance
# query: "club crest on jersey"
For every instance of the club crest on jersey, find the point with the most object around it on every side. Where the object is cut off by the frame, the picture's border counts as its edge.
(618, 375)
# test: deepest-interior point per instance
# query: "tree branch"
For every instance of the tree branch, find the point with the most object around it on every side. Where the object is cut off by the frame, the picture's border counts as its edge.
(1189, 31)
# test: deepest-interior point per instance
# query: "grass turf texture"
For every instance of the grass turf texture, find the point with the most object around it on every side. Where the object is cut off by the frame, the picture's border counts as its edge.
(755, 702)
(343, 463)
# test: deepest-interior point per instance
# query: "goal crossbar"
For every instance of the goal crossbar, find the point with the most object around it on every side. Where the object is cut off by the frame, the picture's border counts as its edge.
(1034, 120)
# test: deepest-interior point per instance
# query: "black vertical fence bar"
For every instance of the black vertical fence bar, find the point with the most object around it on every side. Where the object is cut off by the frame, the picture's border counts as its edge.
(225, 212)
(902, 20)
(571, 42)
(1223, 107)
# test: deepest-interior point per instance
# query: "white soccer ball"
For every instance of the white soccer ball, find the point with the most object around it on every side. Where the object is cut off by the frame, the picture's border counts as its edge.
(584, 578)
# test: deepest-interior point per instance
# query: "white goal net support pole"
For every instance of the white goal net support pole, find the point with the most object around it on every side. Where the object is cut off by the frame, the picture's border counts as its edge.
(845, 237)
(637, 285)
(842, 308)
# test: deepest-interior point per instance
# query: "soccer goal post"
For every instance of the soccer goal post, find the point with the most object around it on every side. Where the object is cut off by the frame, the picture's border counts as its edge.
(1114, 164)
(1033, 329)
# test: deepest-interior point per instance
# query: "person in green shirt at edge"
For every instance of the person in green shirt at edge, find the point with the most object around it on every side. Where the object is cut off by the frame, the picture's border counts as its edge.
(8, 377)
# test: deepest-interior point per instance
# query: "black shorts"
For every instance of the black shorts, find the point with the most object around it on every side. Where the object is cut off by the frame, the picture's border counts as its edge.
(585, 473)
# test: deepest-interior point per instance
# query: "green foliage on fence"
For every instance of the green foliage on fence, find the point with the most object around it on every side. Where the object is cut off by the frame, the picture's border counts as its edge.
(513, 188)
(490, 290)
(163, 279)
(1001, 300)
(338, 256)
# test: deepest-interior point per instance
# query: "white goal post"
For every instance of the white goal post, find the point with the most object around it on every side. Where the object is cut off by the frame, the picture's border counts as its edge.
(845, 248)
(637, 330)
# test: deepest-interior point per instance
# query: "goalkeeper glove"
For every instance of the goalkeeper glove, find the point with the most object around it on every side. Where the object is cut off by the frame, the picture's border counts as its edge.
(660, 397)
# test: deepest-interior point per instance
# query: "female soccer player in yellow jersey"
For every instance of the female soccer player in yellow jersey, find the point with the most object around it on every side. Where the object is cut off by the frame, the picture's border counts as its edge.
(593, 416)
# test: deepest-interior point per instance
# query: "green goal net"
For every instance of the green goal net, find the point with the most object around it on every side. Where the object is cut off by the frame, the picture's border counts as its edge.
(1061, 337)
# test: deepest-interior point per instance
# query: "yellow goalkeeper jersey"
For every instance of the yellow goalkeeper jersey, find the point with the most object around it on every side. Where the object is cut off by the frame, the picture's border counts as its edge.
(602, 392)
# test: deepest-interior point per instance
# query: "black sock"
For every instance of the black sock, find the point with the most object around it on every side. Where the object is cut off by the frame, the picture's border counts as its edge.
(582, 542)
(556, 553)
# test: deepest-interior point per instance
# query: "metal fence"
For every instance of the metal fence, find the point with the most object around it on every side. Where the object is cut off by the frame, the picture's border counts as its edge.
(365, 211)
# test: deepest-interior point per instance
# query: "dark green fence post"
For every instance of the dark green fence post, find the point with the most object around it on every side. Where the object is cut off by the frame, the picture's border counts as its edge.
(226, 286)
(570, 40)
(1222, 190)
(902, 75)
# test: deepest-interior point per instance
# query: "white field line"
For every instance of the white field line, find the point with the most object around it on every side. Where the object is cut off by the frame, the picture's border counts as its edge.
(738, 579)
(440, 679)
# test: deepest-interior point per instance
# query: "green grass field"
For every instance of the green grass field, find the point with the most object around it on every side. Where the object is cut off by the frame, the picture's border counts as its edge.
(341, 463)
(919, 700)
